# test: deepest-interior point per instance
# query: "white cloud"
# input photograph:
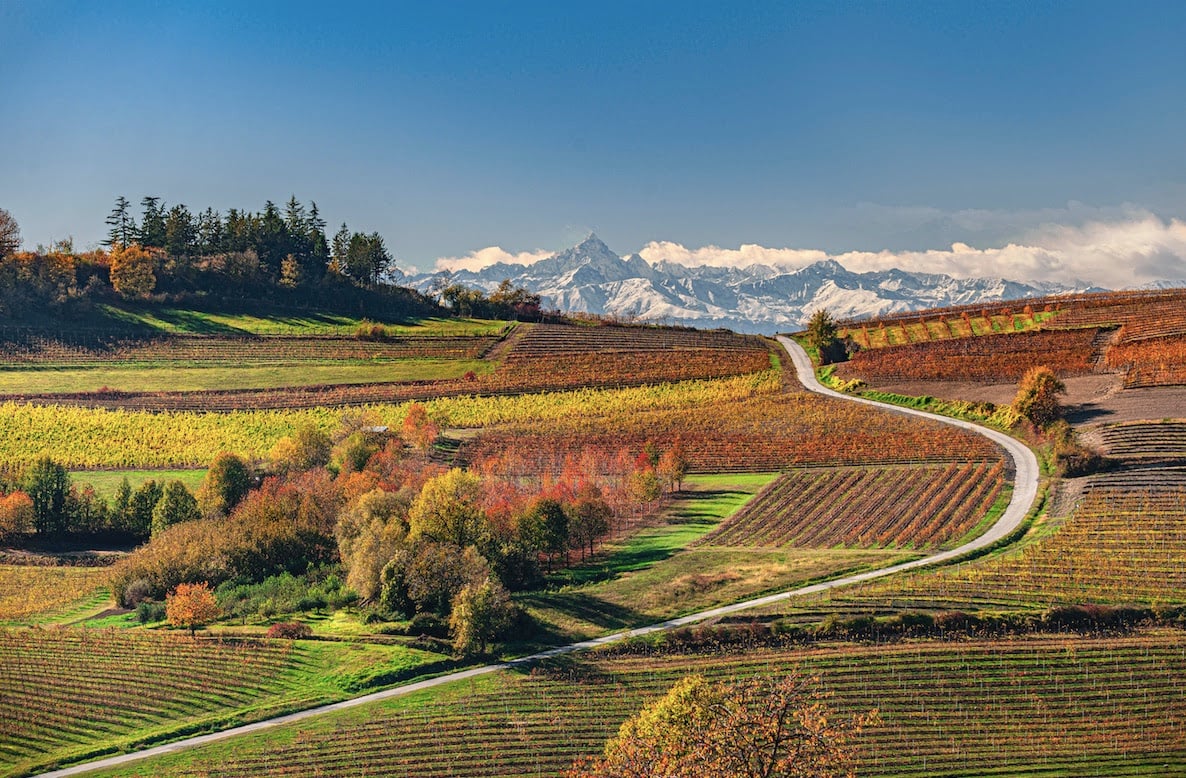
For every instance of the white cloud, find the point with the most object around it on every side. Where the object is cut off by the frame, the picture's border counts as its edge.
(1112, 254)
(482, 258)
(715, 256)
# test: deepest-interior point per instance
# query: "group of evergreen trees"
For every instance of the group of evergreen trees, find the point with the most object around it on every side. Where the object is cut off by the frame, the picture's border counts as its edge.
(291, 246)
(44, 499)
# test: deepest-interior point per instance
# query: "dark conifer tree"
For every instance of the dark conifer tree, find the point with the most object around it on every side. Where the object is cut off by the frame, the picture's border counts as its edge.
(122, 224)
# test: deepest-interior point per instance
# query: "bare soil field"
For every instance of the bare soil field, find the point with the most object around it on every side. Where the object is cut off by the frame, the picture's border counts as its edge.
(1090, 400)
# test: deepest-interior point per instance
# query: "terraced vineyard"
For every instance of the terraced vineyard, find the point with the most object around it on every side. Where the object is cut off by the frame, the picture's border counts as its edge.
(916, 507)
(1143, 314)
(761, 434)
(1125, 544)
(37, 348)
(557, 339)
(100, 438)
(1002, 358)
(31, 591)
(583, 366)
(1149, 348)
(1143, 440)
(66, 692)
(1152, 362)
(942, 325)
(1034, 706)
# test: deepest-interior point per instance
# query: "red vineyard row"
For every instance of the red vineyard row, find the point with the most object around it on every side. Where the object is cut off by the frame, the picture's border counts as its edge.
(918, 507)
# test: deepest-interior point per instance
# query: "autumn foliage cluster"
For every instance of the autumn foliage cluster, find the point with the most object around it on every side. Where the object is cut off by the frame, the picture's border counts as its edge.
(414, 537)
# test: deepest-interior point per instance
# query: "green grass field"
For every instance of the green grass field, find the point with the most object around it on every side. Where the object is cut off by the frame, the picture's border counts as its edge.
(176, 320)
(106, 482)
(178, 378)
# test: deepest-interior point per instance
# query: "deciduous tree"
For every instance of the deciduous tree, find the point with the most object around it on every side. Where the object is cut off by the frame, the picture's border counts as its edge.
(767, 727)
(16, 514)
(191, 606)
(226, 483)
(481, 613)
(368, 534)
(132, 273)
(10, 234)
(1037, 397)
(673, 466)
(448, 509)
(418, 430)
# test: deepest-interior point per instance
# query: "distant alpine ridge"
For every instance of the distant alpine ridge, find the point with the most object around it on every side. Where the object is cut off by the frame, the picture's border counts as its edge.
(590, 278)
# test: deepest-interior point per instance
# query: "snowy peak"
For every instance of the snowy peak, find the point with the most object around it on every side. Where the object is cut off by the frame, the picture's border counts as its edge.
(590, 278)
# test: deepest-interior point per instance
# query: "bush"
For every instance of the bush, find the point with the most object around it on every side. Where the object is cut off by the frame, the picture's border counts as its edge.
(149, 611)
(136, 592)
(290, 630)
(427, 625)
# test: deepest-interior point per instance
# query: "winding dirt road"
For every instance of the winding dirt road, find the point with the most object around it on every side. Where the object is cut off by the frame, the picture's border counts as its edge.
(1025, 491)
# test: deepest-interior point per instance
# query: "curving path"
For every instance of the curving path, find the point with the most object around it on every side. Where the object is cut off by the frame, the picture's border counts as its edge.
(1025, 491)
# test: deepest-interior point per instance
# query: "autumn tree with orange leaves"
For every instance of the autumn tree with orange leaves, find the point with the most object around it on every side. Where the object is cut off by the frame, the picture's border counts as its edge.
(770, 727)
(191, 606)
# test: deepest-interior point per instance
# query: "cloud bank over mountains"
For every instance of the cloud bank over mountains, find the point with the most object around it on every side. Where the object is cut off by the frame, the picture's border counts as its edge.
(1135, 249)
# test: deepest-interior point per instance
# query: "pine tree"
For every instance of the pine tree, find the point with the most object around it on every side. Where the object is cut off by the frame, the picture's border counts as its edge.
(123, 226)
(152, 223)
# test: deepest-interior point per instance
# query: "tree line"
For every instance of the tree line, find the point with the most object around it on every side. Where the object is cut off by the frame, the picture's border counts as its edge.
(278, 256)
(291, 246)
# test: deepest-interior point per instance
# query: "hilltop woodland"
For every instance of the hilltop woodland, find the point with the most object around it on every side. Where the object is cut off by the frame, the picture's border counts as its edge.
(243, 473)
(169, 254)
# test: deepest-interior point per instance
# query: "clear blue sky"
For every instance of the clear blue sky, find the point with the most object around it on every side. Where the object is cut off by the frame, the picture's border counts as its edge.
(448, 128)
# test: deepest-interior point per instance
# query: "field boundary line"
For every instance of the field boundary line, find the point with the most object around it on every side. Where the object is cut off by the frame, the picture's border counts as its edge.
(1025, 493)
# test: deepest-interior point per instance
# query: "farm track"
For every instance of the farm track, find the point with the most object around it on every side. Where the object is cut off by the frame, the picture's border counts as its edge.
(1026, 475)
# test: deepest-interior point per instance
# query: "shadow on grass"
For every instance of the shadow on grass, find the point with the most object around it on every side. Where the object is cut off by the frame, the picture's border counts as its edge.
(584, 607)
(651, 547)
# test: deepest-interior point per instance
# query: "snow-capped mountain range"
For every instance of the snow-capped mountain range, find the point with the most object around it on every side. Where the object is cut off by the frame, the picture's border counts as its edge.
(591, 278)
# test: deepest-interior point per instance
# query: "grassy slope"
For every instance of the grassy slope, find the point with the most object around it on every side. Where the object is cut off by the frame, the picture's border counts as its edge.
(174, 320)
(161, 378)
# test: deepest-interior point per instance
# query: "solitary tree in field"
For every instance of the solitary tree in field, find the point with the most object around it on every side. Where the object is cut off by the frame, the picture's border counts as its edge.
(765, 727)
(10, 234)
(1037, 397)
(823, 335)
(191, 606)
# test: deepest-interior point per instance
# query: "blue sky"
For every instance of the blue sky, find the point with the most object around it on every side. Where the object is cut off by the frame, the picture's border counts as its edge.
(833, 126)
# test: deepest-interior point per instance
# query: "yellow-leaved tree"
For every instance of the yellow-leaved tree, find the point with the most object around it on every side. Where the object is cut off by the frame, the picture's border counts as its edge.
(132, 270)
(773, 727)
